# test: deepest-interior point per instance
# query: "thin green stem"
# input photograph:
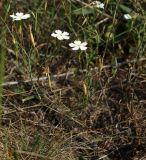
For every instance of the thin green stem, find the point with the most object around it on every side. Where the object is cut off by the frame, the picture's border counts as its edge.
(2, 62)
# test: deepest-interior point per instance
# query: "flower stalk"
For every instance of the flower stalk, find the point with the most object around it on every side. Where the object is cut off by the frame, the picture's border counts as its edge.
(2, 62)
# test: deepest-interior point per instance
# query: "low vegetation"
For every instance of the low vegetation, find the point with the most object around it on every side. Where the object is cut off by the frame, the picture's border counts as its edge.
(73, 79)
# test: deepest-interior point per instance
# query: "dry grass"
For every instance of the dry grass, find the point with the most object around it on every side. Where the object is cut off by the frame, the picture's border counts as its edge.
(66, 123)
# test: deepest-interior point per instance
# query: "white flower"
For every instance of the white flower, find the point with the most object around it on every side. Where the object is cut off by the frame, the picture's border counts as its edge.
(60, 35)
(98, 4)
(78, 45)
(19, 16)
(127, 16)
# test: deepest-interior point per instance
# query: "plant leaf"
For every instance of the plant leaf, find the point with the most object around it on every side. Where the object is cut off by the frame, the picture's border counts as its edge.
(125, 8)
(84, 11)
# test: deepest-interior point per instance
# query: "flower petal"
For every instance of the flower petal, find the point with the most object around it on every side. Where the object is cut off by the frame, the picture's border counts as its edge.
(60, 37)
(26, 16)
(19, 14)
(127, 16)
(58, 31)
(84, 44)
(13, 16)
(72, 45)
(17, 19)
(65, 33)
(54, 35)
(65, 37)
(76, 48)
(77, 42)
(83, 48)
